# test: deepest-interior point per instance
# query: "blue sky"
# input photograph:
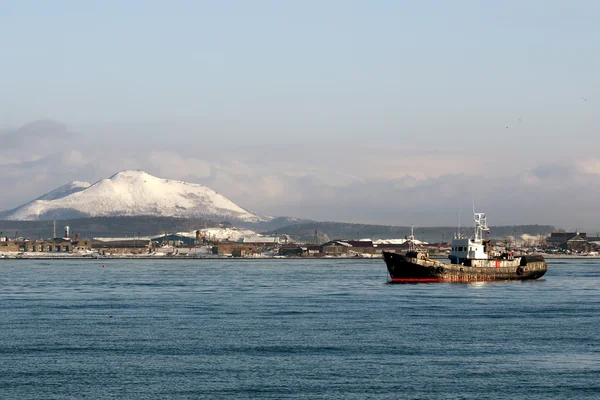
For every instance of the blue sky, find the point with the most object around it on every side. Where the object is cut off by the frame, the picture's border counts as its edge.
(367, 92)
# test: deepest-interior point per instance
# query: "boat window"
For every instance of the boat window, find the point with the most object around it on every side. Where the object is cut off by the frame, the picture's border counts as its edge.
(460, 248)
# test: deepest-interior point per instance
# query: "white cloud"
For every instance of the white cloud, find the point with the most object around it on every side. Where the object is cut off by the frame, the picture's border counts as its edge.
(174, 166)
(272, 186)
(589, 166)
(9, 157)
(73, 158)
(388, 186)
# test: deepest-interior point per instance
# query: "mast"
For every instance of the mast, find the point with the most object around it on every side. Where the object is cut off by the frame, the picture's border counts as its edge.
(412, 246)
(458, 236)
(480, 226)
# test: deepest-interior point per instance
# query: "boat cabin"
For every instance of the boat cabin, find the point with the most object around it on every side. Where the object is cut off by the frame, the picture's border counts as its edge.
(467, 249)
(473, 248)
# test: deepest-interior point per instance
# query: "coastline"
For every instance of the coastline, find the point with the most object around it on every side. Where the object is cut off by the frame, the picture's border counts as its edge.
(161, 257)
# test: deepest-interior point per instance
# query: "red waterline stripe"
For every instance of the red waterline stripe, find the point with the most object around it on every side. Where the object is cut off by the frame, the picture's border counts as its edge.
(415, 280)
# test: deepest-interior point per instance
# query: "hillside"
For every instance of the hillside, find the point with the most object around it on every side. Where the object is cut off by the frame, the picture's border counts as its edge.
(104, 226)
(305, 232)
(301, 231)
(131, 193)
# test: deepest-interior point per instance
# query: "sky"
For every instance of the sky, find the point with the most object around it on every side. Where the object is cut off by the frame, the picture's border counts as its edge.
(387, 112)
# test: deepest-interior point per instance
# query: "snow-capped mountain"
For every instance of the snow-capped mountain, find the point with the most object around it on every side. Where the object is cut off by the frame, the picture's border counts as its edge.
(69, 188)
(130, 193)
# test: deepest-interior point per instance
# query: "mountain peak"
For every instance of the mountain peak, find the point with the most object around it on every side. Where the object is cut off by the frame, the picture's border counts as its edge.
(131, 173)
(131, 193)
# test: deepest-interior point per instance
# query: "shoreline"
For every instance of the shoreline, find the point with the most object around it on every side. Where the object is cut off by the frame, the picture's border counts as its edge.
(180, 258)
(190, 258)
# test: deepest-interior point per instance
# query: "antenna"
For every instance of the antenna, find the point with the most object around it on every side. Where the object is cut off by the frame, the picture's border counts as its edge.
(412, 245)
(459, 217)
(480, 226)
(475, 218)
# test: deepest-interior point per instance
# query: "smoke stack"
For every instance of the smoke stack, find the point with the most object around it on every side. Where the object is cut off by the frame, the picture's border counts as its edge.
(67, 231)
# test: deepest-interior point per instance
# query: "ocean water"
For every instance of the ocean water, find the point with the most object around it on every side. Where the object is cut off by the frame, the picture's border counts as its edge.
(153, 329)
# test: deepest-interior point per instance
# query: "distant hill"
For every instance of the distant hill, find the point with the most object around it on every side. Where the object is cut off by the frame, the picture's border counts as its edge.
(270, 225)
(131, 193)
(300, 230)
(105, 226)
(305, 232)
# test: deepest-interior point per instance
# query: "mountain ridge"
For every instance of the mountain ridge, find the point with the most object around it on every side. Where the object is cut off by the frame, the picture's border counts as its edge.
(130, 193)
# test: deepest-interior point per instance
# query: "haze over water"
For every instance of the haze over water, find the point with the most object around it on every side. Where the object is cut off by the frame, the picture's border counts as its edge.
(292, 328)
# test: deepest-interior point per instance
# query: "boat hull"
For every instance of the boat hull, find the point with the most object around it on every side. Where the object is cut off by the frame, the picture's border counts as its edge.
(405, 269)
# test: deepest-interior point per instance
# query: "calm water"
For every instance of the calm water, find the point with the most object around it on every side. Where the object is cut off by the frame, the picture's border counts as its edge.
(288, 328)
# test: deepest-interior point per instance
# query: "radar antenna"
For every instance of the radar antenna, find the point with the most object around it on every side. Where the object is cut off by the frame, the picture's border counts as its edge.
(480, 226)
(412, 245)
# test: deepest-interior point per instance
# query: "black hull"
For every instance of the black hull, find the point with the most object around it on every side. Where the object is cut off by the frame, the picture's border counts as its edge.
(404, 269)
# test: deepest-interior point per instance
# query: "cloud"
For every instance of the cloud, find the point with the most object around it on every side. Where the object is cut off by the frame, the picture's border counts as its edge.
(346, 182)
(589, 166)
(73, 158)
(173, 165)
(45, 134)
(272, 186)
(553, 171)
(36, 158)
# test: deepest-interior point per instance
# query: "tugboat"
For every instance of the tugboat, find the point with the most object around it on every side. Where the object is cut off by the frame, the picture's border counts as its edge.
(471, 260)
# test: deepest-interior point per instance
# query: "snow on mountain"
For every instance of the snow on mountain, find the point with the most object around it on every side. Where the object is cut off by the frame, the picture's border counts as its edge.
(131, 193)
(69, 188)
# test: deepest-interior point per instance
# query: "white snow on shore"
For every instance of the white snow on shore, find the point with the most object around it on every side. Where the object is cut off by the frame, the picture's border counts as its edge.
(396, 241)
(217, 233)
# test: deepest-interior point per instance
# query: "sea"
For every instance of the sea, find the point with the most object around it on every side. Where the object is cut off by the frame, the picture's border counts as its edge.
(304, 329)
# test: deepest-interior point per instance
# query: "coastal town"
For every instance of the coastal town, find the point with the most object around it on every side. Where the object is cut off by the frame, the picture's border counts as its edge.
(136, 214)
(239, 243)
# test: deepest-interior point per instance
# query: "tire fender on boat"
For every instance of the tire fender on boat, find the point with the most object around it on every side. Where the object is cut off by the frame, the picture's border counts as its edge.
(520, 270)
(439, 270)
(523, 261)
